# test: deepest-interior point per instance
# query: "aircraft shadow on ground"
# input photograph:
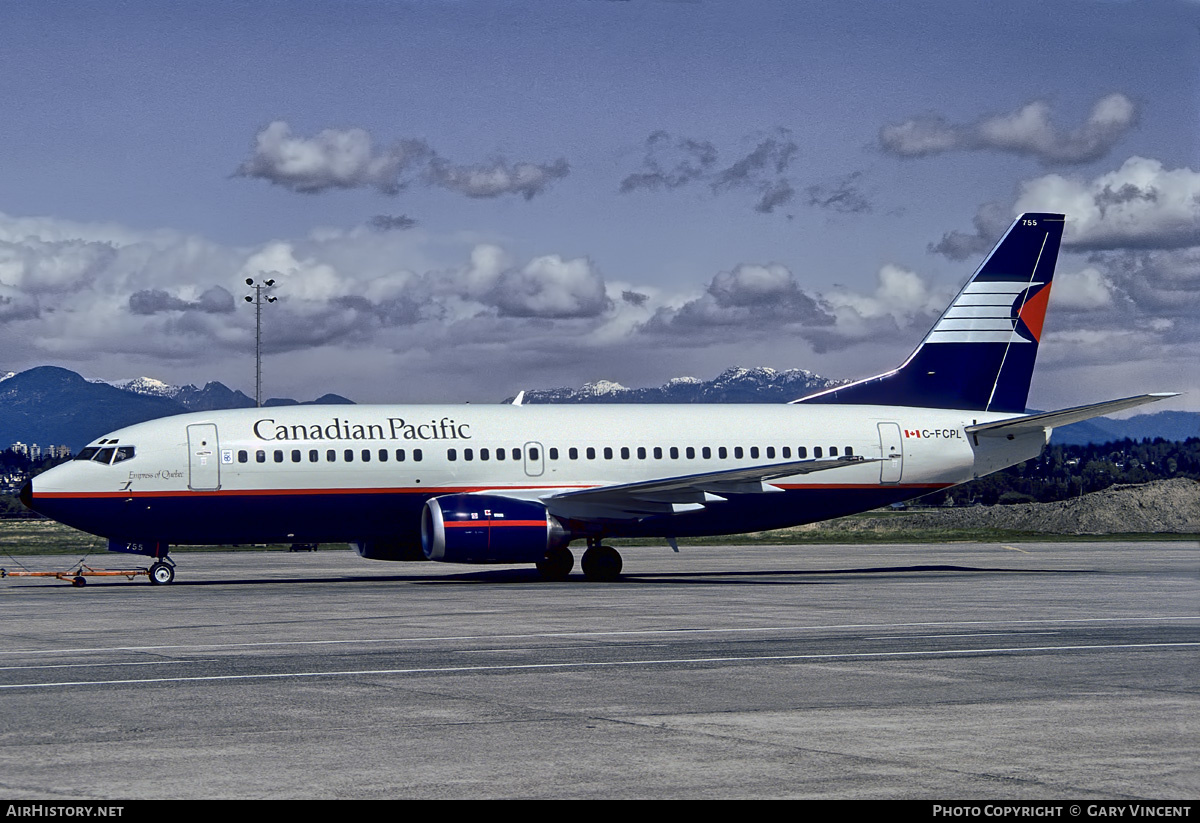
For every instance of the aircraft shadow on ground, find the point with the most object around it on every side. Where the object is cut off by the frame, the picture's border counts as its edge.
(526, 576)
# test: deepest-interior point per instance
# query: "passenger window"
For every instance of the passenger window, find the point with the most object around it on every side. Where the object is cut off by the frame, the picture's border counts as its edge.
(243, 456)
(706, 453)
(484, 454)
(366, 455)
(658, 452)
(313, 455)
(451, 454)
(817, 451)
(499, 454)
(738, 454)
(641, 452)
(331, 456)
(279, 455)
(849, 451)
(260, 456)
(399, 455)
(787, 452)
(674, 452)
(348, 455)
(691, 453)
(833, 451)
(754, 452)
(295, 455)
(417, 455)
(553, 454)
(608, 453)
(516, 454)
(722, 452)
(383, 455)
(770, 452)
(624, 452)
(573, 453)
(801, 452)
(468, 454)
(533, 454)
(591, 453)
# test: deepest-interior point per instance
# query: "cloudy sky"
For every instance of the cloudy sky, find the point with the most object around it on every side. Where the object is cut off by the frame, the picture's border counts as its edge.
(461, 199)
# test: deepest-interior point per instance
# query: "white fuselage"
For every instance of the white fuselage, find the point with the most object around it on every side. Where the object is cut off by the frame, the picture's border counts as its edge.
(353, 473)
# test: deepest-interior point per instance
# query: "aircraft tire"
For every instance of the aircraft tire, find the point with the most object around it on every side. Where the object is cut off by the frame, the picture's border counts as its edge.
(161, 574)
(601, 564)
(79, 581)
(557, 564)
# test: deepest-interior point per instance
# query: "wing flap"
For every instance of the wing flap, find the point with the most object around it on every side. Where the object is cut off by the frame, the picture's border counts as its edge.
(676, 495)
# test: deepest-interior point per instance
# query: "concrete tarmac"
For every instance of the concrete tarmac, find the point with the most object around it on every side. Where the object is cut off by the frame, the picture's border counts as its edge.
(962, 671)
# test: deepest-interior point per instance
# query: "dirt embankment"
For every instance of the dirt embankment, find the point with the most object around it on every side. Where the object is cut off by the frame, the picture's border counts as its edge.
(1168, 506)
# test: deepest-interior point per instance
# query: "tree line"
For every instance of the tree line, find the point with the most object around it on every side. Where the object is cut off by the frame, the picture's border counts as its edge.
(1063, 472)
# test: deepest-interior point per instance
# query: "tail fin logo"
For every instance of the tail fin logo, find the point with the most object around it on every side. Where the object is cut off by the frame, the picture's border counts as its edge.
(1029, 312)
(994, 311)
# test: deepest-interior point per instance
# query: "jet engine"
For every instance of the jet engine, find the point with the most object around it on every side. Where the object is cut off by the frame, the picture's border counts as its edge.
(484, 528)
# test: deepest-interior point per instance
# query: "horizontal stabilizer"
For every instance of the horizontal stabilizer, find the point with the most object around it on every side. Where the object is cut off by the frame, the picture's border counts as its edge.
(1063, 417)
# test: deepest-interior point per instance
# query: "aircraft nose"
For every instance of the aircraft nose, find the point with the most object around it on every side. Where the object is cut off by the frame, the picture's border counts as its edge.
(26, 494)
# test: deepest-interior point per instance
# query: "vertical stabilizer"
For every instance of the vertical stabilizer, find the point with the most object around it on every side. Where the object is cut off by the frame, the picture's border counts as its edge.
(980, 353)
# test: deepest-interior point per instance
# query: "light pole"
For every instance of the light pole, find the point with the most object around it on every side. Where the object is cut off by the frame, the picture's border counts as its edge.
(257, 300)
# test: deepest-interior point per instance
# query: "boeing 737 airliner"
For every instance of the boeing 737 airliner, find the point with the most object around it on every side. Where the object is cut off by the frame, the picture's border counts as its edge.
(519, 483)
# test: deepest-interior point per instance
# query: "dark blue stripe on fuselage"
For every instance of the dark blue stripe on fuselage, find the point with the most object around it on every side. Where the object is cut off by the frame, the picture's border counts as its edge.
(347, 516)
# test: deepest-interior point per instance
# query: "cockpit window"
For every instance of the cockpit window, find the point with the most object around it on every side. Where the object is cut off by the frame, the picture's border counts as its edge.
(104, 455)
(87, 454)
(123, 453)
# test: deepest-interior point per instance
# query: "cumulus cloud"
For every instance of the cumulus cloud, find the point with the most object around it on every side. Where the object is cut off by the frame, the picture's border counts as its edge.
(843, 196)
(672, 162)
(214, 300)
(391, 222)
(991, 221)
(551, 287)
(752, 296)
(333, 159)
(1084, 290)
(497, 178)
(1028, 131)
(37, 266)
(1140, 205)
(350, 158)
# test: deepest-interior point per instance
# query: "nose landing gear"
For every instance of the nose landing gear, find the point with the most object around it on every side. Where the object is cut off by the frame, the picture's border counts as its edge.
(162, 572)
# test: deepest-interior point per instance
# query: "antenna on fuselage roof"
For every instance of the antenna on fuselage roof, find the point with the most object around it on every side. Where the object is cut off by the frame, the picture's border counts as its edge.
(519, 400)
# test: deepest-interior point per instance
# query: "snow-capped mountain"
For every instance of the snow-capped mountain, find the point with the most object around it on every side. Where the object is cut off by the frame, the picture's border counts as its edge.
(736, 385)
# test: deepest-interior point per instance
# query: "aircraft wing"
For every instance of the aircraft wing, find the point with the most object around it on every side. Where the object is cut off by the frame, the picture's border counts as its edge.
(676, 495)
(1049, 420)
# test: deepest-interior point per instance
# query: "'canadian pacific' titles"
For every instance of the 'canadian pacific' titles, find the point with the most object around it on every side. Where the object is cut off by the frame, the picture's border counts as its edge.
(396, 429)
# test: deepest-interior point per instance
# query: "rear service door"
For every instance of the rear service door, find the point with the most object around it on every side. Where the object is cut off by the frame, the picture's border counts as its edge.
(204, 469)
(892, 451)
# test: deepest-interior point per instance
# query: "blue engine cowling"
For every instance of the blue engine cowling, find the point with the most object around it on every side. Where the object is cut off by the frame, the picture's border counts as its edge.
(484, 528)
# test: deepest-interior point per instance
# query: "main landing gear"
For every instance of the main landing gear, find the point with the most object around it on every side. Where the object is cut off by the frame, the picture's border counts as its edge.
(600, 563)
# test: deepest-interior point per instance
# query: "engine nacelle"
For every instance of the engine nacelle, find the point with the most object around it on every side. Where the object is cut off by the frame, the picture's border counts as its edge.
(484, 528)
(389, 549)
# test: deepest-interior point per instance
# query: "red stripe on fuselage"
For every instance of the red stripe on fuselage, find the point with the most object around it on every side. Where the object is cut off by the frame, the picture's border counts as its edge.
(431, 490)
